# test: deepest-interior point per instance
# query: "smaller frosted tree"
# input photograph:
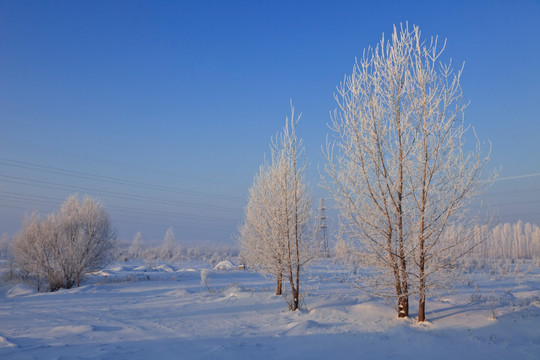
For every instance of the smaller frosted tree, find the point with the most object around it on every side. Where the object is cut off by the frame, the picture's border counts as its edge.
(276, 236)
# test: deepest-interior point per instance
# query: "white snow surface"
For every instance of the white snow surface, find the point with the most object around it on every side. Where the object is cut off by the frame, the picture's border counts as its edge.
(136, 312)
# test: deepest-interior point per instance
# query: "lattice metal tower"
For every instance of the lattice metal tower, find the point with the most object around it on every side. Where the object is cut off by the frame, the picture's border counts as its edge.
(322, 231)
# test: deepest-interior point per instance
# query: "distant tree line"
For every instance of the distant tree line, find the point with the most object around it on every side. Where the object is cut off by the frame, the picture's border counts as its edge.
(511, 241)
(171, 251)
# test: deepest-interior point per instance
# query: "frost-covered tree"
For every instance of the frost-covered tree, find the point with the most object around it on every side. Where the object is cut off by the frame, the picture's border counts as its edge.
(300, 245)
(399, 169)
(276, 235)
(170, 249)
(65, 246)
(260, 234)
(136, 248)
(34, 248)
(85, 235)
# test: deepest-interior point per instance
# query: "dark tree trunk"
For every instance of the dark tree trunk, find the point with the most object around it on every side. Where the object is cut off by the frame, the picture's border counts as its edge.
(279, 284)
(403, 306)
(295, 300)
(422, 307)
(294, 294)
(422, 287)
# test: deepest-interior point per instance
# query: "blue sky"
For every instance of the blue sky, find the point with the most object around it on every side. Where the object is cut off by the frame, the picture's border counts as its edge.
(164, 110)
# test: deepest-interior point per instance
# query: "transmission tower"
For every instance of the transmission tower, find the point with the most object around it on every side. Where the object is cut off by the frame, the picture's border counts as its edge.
(322, 231)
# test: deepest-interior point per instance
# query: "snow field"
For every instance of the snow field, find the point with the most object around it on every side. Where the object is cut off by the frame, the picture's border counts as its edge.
(129, 311)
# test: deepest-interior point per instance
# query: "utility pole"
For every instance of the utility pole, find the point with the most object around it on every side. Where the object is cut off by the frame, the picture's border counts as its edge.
(322, 231)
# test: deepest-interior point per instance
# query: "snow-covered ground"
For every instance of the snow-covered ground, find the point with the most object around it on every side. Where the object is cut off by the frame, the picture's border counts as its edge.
(130, 311)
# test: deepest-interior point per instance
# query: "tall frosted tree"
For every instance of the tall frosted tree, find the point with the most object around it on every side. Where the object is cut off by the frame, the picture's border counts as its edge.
(399, 167)
(276, 235)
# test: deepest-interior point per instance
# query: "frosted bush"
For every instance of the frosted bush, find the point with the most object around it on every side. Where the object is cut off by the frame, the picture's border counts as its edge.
(204, 278)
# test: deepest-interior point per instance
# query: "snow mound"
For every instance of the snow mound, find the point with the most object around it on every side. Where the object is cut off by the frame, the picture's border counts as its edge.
(20, 290)
(224, 266)
(186, 270)
(141, 268)
(101, 272)
(166, 268)
(4, 343)
(533, 294)
(120, 268)
(177, 293)
(303, 328)
(70, 329)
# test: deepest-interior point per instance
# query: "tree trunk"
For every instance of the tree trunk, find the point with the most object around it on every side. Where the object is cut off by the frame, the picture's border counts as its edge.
(294, 295)
(279, 284)
(402, 296)
(422, 287)
(422, 304)
(297, 295)
(422, 237)
(403, 306)
(296, 240)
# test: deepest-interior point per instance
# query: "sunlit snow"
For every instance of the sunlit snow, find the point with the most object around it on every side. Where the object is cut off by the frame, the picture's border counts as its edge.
(165, 312)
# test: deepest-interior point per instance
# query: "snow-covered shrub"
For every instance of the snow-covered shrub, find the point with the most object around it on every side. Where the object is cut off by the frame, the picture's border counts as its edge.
(204, 278)
(150, 256)
(63, 247)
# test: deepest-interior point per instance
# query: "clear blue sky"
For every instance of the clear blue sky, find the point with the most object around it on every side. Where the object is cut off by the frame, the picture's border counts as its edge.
(164, 110)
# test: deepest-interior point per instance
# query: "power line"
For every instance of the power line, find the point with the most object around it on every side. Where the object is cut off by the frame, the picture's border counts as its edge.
(56, 186)
(115, 163)
(131, 220)
(113, 180)
(118, 209)
(492, 193)
(121, 214)
(517, 177)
